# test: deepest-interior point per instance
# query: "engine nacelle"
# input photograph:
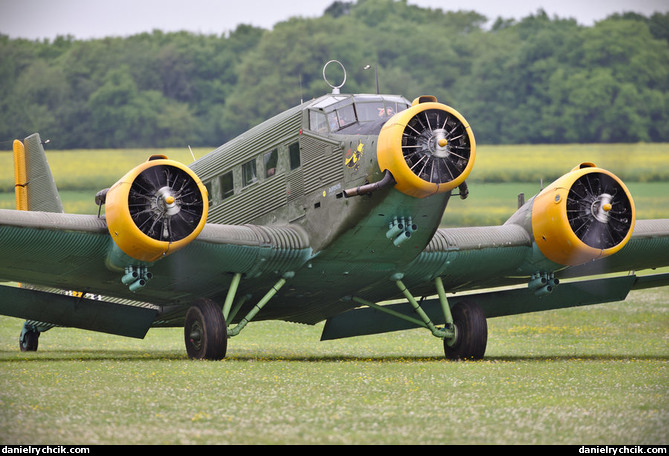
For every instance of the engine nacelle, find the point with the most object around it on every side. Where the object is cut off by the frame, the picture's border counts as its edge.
(429, 148)
(586, 214)
(156, 209)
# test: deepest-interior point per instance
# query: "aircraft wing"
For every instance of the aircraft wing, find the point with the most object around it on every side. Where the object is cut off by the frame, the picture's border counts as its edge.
(490, 266)
(481, 257)
(57, 251)
(92, 272)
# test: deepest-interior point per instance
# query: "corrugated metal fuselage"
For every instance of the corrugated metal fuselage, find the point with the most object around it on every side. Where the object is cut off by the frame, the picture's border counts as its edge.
(267, 183)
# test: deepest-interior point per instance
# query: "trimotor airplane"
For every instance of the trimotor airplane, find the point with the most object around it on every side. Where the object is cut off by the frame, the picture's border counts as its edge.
(329, 211)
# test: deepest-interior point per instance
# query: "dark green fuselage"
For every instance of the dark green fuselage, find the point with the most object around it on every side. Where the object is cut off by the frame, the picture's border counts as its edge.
(351, 252)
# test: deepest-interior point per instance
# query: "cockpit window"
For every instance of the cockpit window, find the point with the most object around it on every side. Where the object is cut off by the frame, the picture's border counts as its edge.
(341, 117)
(338, 114)
(393, 107)
(317, 122)
(370, 111)
(374, 111)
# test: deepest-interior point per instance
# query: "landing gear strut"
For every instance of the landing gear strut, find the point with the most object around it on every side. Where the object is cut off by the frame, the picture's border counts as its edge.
(465, 333)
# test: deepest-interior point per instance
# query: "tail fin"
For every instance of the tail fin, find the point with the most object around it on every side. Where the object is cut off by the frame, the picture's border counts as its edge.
(34, 184)
(20, 179)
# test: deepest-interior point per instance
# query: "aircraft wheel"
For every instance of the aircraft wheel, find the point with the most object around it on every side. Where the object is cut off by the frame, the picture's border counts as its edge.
(29, 341)
(205, 331)
(471, 333)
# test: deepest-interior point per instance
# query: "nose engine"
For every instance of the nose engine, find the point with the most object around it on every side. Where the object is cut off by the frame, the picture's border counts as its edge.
(429, 148)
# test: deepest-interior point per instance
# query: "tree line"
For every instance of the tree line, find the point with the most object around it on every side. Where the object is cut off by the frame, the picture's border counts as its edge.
(537, 80)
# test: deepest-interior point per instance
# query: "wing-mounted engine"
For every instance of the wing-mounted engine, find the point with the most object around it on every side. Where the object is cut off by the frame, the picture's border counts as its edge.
(429, 148)
(156, 208)
(584, 215)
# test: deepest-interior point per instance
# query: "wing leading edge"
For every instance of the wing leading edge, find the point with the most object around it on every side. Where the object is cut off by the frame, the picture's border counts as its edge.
(72, 252)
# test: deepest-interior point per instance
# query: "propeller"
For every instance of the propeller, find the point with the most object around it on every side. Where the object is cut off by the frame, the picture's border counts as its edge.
(436, 146)
(165, 203)
(599, 210)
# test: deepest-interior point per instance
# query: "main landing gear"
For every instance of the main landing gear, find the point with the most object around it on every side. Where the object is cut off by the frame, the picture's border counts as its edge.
(471, 332)
(29, 338)
(465, 332)
(206, 331)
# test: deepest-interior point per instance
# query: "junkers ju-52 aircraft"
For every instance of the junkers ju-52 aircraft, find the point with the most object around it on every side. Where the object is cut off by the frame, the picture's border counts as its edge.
(328, 211)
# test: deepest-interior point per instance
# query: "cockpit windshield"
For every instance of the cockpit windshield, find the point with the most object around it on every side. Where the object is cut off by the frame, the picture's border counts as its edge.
(339, 112)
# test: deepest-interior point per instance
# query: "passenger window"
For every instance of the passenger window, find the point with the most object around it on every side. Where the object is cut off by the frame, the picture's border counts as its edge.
(227, 185)
(294, 153)
(249, 175)
(207, 185)
(271, 159)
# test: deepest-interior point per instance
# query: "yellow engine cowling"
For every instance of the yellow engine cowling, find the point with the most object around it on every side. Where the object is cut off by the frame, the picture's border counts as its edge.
(586, 214)
(429, 148)
(156, 209)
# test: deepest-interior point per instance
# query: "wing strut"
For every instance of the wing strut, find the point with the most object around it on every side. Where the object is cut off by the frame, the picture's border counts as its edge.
(448, 331)
(258, 307)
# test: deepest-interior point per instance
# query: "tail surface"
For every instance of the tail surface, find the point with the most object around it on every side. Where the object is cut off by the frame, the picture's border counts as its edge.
(35, 187)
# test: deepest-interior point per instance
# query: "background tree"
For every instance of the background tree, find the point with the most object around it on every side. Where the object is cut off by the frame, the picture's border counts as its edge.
(537, 80)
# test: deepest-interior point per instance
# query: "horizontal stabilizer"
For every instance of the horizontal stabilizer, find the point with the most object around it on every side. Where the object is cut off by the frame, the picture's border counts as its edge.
(366, 320)
(75, 312)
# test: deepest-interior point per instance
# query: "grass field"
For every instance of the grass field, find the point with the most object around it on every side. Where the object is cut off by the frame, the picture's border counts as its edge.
(594, 375)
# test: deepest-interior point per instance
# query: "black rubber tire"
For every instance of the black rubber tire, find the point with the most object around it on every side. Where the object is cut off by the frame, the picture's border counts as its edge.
(30, 341)
(205, 331)
(471, 333)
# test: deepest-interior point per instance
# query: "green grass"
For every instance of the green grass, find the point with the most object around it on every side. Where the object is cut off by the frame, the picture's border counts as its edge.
(532, 163)
(594, 375)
